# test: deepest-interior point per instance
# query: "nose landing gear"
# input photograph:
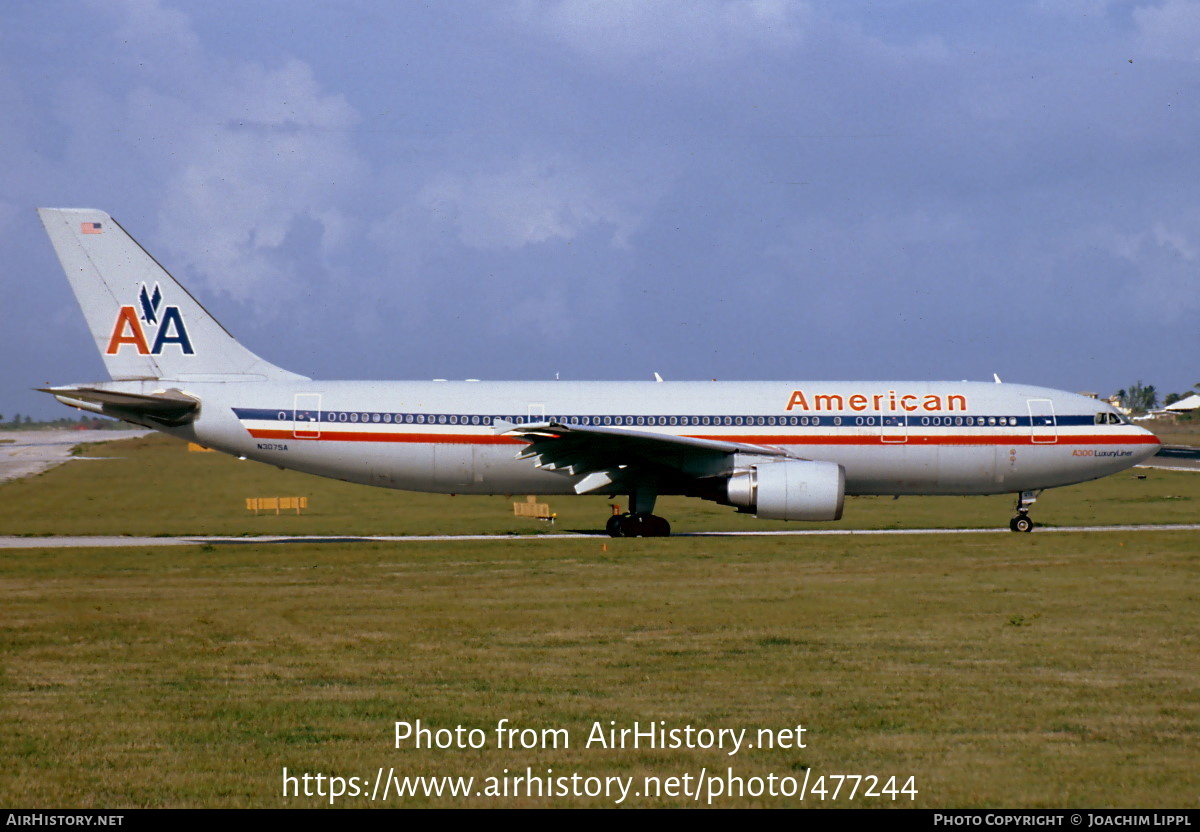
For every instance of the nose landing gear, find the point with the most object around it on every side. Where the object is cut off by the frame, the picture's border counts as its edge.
(1023, 522)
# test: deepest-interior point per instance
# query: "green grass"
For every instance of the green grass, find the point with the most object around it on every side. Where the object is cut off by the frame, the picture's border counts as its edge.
(1039, 670)
(156, 487)
(1176, 432)
(1029, 671)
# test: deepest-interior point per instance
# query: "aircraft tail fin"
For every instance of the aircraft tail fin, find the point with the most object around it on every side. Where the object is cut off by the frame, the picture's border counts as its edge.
(145, 324)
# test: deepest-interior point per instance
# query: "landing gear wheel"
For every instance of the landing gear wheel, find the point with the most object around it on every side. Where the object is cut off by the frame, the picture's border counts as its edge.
(634, 525)
(1022, 523)
(637, 525)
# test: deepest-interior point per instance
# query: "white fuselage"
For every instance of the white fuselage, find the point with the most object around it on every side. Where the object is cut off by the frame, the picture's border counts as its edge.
(890, 437)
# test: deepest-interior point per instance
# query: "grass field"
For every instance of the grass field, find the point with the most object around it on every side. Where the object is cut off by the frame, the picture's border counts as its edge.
(152, 486)
(1043, 670)
(1176, 433)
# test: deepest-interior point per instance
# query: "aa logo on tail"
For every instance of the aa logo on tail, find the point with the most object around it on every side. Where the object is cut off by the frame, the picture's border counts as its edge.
(163, 322)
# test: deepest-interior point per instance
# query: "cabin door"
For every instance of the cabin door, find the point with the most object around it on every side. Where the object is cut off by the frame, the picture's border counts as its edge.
(893, 428)
(306, 416)
(1042, 424)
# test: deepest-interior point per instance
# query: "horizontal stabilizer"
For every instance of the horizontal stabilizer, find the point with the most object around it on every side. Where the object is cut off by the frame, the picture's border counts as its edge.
(169, 407)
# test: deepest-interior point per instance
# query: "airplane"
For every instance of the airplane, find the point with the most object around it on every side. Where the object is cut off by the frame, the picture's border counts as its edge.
(778, 450)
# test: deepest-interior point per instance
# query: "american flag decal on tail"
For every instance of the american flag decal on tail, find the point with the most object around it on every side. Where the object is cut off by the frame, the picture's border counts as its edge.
(90, 228)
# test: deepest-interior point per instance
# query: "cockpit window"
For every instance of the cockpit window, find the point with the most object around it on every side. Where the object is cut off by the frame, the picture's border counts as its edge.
(1109, 419)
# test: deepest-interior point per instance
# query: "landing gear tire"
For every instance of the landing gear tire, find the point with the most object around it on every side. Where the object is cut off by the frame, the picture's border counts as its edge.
(637, 525)
(659, 526)
(1021, 523)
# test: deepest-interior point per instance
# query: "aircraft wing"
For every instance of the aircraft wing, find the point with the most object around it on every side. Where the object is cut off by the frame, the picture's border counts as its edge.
(169, 407)
(606, 455)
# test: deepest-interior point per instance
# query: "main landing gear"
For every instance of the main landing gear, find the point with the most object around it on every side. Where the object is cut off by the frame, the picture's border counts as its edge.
(639, 521)
(1023, 522)
(637, 525)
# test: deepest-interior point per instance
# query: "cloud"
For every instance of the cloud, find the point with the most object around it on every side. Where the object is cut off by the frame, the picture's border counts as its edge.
(528, 233)
(670, 34)
(533, 200)
(243, 151)
(277, 149)
(156, 33)
(1166, 268)
(1075, 8)
(1169, 30)
(879, 260)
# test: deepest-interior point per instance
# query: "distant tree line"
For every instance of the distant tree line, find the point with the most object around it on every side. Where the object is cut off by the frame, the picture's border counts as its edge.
(1142, 398)
(19, 422)
(1139, 398)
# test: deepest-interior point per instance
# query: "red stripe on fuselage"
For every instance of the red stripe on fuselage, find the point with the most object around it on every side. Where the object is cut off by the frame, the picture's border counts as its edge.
(787, 439)
(419, 438)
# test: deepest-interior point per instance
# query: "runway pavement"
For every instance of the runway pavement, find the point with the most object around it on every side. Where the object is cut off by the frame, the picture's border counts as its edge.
(1175, 458)
(33, 451)
(198, 540)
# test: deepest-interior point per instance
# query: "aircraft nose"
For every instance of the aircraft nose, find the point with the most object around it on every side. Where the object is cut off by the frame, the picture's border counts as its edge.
(1152, 445)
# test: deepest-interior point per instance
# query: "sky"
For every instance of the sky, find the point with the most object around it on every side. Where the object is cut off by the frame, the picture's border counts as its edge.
(577, 189)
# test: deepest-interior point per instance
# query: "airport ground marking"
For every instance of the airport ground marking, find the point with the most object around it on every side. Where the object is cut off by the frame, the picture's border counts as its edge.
(80, 542)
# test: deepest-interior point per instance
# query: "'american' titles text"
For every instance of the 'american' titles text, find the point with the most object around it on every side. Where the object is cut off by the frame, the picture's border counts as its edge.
(882, 402)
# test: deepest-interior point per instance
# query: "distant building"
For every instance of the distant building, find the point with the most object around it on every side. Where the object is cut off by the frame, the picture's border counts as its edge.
(1188, 405)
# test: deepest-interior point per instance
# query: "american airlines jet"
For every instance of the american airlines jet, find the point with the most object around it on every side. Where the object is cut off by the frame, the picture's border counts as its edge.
(779, 450)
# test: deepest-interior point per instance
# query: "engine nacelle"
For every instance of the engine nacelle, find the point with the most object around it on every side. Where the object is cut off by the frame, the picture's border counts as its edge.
(792, 490)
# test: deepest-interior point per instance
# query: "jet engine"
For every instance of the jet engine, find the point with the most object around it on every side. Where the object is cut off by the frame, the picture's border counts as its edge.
(791, 490)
